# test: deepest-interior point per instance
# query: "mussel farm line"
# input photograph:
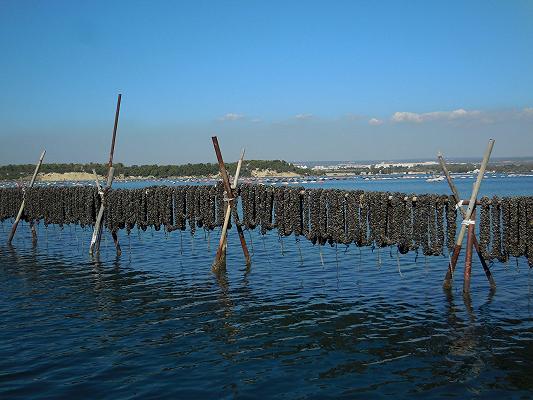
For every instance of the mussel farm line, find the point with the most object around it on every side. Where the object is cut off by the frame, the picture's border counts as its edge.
(425, 224)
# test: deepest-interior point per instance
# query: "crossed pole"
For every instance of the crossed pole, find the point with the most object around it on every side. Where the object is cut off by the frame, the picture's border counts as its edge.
(467, 226)
(230, 195)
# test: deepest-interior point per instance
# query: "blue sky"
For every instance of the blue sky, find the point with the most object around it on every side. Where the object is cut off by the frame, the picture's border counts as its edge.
(297, 80)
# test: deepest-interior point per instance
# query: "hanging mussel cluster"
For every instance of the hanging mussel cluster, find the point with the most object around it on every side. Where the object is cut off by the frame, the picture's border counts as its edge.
(10, 199)
(171, 208)
(424, 223)
(52, 205)
(335, 216)
(153, 207)
(506, 225)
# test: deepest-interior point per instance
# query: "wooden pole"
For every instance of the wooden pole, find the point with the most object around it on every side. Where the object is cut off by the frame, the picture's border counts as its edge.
(97, 181)
(230, 194)
(472, 203)
(238, 170)
(111, 154)
(97, 233)
(21, 209)
(221, 254)
(220, 259)
(468, 258)
(115, 127)
(457, 198)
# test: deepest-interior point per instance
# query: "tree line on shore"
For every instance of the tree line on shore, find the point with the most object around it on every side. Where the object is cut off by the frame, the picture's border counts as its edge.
(13, 172)
(18, 171)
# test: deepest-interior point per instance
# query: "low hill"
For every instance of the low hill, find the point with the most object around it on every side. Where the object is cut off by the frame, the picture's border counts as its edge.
(249, 168)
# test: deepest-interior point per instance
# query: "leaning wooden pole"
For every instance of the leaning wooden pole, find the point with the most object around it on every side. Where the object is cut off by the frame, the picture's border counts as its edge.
(220, 258)
(230, 194)
(468, 257)
(97, 233)
(110, 165)
(22, 205)
(457, 199)
(471, 204)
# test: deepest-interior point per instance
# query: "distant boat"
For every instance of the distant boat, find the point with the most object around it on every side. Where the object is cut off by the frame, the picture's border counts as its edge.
(435, 179)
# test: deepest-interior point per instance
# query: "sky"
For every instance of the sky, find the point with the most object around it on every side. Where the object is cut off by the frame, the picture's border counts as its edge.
(293, 80)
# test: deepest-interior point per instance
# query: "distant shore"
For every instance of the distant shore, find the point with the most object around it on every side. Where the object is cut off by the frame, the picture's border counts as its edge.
(251, 170)
(85, 176)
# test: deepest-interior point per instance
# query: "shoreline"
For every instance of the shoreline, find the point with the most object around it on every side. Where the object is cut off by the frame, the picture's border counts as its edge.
(291, 178)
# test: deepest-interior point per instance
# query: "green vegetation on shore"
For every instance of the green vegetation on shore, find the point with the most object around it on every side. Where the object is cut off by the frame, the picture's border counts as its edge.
(10, 172)
(14, 172)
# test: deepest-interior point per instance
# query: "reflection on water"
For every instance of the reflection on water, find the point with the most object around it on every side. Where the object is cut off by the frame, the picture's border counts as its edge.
(157, 323)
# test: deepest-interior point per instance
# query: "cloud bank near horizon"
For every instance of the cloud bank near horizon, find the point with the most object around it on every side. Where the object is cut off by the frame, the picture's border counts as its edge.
(400, 135)
(460, 114)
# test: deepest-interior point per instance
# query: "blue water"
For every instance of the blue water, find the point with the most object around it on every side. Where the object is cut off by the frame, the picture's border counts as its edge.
(492, 184)
(156, 323)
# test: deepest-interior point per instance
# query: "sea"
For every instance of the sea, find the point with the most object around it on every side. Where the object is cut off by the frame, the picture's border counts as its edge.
(302, 322)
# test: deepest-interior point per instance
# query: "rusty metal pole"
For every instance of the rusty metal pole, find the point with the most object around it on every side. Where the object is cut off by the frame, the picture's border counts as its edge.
(23, 204)
(230, 194)
(472, 203)
(457, 198)
(468, 257)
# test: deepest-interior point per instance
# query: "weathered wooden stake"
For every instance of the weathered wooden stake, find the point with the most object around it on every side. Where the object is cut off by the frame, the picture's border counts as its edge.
(230, 194)
(21, 209)
(468, 257)
(223, 244)
(471, 204)
(97, 233)
(457, 198)
(227, 214)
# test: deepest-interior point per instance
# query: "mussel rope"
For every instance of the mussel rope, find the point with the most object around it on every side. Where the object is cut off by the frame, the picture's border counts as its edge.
(451, 223)
(495, 219)
(484, 227)
(522, 228)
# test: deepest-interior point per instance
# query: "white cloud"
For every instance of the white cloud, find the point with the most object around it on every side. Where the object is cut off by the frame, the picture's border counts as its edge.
(231, 117)
(303, 116)
(375, 121)
(528, 111)
(404, 116)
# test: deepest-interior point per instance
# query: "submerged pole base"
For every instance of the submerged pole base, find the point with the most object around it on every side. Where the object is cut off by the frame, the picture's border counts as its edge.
(451, 268)
(219, 265)
(33, 234)
(117, 244)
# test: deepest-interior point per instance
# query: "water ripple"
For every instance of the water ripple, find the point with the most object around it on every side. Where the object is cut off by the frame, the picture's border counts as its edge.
(158, 323)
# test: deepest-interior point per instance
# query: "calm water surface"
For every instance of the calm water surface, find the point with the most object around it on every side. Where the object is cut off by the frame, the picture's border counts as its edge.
(156, 323)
